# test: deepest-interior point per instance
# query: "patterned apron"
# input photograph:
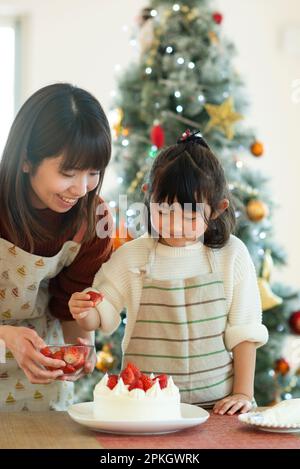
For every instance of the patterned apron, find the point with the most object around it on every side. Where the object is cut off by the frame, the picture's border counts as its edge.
(24, 297)
(179, 330)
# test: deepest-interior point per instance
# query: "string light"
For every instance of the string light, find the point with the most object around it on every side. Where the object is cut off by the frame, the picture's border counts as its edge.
(153, 13)
(180, 60)
(120, 180)
(201, 98)
(125, 142)
(262, 235)
(239, 164)
(176, 7)
(179, 108)
(130, 212)
(191, 65)
(169, 50)
(153, 151)
(177, 94)
(148, 70)
(112, 204)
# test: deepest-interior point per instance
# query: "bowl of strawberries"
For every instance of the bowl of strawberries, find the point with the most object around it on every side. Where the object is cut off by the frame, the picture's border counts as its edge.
(75, 357)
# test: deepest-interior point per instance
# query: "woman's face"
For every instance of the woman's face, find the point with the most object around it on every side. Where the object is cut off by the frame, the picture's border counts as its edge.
(59, 191)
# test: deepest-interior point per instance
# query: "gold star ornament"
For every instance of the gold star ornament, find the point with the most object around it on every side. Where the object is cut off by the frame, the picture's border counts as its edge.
(223, 117)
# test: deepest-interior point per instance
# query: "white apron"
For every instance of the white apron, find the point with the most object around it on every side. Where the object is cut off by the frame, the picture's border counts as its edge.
(179, 331)
(24, 297)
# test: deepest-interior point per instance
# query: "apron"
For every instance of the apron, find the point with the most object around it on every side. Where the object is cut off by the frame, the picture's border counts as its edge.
(179, 331)
(24, 296)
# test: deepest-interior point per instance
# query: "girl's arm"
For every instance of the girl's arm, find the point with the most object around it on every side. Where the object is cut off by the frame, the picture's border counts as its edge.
(91, 315)
(244, 355)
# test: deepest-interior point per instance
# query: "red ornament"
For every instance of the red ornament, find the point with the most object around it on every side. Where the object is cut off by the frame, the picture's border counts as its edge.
(294, 322)
(282, 366)
(158, 136)
(217, 17)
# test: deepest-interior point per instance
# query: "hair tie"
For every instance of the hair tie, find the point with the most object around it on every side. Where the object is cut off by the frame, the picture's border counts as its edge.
(187, 136)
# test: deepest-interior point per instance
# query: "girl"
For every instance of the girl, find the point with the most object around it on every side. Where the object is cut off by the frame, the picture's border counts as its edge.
(193, 307)
(50, 173)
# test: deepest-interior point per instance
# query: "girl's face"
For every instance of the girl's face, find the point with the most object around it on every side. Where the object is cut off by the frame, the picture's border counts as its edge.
(179, 226)
(59, 191)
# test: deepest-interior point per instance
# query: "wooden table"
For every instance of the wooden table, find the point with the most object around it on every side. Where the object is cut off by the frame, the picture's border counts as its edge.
(56, 430)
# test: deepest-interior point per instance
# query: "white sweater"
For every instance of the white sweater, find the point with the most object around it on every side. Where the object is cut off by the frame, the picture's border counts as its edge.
(122, 287)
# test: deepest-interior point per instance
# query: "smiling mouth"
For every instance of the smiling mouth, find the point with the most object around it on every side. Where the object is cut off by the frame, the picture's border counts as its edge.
(68, 200)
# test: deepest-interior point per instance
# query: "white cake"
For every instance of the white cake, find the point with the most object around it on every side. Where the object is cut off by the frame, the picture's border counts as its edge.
(285, 413)
(120, 403)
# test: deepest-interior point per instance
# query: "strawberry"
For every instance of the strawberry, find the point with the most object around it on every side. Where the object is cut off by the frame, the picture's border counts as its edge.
(147, 382)
(95, 297)
(80, 363)
(138, 384)
(112, 381)
(135, 370)
(72, 355)
(46, 351)
(58, 355)
(163, 381)
(127, 376)
(68, 369)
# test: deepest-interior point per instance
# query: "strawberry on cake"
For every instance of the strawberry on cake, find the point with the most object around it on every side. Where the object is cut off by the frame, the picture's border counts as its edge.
(133, 395)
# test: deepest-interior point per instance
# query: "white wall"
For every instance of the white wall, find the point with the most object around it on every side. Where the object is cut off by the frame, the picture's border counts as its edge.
(81, 41)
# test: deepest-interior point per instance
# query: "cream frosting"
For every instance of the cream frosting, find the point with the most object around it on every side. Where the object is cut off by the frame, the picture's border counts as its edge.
(121, 404)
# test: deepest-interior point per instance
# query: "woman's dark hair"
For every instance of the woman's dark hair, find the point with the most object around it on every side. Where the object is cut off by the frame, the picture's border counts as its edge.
(57, 119)
(189, 173)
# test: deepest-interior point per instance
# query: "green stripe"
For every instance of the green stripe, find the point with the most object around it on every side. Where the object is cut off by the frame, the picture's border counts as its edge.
(185, 304)
(173, 356)
(146, 287)
(206, 387)
(181, 323)
(164, 339)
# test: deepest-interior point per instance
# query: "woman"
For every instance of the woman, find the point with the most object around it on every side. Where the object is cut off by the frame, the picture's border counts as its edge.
(50, 175)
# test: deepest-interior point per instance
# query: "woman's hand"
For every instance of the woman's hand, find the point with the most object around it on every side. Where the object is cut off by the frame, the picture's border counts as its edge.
(232, 404)
(80, 304)
(24, 343)
(88, 367)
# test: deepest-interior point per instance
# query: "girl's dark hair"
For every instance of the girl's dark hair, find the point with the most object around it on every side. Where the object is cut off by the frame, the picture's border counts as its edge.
(190, 173)
(57, 119)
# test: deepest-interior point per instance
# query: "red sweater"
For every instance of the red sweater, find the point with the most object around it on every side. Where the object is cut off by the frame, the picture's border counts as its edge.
(77, 276)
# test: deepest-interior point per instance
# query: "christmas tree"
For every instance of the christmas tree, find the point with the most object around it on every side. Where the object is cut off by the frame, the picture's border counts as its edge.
(185, 78)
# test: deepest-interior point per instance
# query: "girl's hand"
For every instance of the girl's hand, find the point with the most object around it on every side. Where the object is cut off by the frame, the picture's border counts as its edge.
(232, 404)
(24, 343)
(81, 303)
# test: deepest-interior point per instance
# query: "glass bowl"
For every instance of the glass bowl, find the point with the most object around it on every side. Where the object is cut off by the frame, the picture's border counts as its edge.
(75, 357)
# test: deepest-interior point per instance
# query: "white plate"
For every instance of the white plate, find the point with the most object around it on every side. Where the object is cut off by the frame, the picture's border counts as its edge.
(191, 416)
(253, 419)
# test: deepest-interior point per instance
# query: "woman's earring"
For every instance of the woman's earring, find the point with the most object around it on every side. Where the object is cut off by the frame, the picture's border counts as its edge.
(25, 168)
(145, 187)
